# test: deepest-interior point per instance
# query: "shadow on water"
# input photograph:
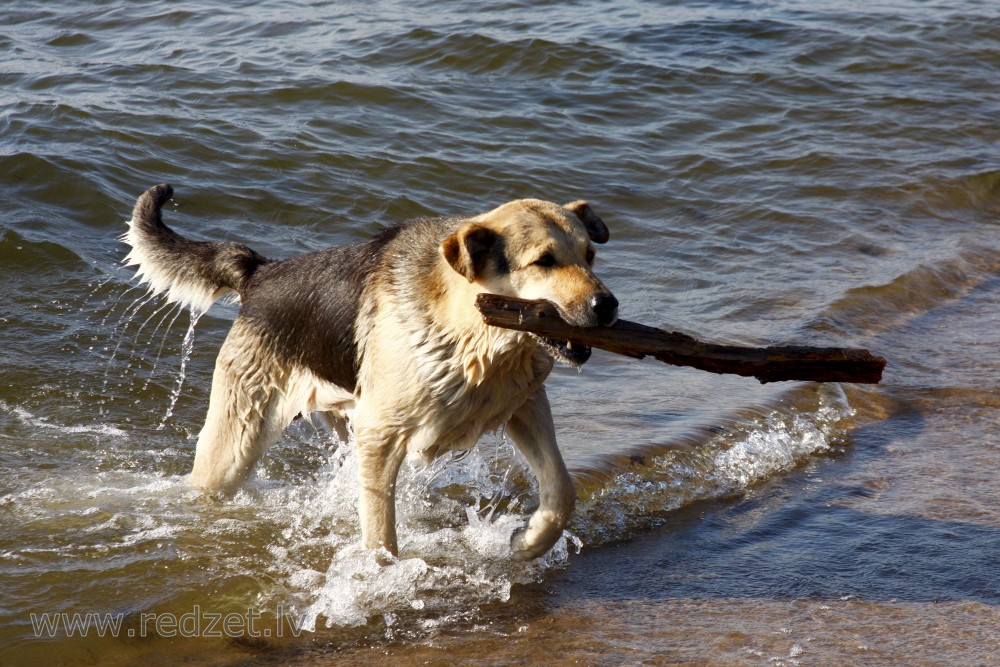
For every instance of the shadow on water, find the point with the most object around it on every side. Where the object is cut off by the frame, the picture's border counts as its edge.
(799, 537)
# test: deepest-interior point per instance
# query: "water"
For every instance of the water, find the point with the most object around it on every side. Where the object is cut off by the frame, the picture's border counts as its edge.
(771, 172)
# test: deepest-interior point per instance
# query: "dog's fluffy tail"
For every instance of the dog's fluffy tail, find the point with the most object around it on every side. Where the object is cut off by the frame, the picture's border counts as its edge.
(193, 273)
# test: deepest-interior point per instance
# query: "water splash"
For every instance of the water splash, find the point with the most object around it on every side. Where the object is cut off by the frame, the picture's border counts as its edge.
(165, 306)
(176, 309)
(456, 517)
(455, 553)
(123, 324)
(118, 299)
(187, 347)
(298, 534)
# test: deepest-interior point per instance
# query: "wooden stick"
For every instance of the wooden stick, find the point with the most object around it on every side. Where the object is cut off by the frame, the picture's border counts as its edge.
(767, 364)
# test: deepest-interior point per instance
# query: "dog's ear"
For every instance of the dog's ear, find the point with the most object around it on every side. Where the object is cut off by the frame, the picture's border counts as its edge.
(595, 227)
(468, 249)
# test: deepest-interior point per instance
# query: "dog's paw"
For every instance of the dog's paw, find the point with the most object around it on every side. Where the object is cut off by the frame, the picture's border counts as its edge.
(384, 557)
(520, 548)
(529, 544)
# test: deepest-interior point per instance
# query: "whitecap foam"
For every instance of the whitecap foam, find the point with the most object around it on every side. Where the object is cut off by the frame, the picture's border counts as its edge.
(32, 420)
(726, 464)
(778, 443)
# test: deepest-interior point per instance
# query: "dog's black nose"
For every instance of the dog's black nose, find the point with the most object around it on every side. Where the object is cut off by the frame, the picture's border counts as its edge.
(605, 306)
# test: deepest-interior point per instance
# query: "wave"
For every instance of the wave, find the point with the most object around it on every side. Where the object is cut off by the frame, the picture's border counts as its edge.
(636, 492)
(19, 254)
(873, 309)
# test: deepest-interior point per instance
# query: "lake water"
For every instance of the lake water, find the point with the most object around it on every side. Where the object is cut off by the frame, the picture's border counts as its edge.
(771, 172)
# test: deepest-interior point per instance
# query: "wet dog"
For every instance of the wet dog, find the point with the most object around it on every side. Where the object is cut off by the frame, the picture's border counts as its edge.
(385, 335)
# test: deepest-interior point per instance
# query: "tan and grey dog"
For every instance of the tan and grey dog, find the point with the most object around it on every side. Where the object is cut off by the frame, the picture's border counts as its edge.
(385, 335)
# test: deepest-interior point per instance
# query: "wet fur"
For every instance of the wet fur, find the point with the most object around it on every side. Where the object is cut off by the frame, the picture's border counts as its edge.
(385, 335)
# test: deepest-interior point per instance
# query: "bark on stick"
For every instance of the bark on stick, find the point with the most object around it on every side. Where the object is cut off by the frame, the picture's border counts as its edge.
(767, 364)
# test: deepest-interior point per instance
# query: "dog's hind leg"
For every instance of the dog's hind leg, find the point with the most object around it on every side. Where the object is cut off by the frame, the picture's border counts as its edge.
(248, 409)
(532, 430)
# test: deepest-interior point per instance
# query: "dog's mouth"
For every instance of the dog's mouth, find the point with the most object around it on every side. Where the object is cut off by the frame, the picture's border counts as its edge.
(566, 352)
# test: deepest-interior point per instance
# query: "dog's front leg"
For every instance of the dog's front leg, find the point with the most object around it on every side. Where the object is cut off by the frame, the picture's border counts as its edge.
(532, 431)
(380, 456)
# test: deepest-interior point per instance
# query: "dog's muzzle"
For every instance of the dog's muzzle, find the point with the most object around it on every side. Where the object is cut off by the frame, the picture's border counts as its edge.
(603, 312)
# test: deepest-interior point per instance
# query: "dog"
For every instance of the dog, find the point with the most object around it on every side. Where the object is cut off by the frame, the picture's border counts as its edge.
(384, 335)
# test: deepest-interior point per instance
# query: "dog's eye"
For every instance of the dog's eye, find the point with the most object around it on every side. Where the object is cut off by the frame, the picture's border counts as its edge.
(546, 261)
(590, 255)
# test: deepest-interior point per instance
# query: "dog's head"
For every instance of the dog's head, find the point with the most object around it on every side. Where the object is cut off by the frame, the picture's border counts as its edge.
(535, 249)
